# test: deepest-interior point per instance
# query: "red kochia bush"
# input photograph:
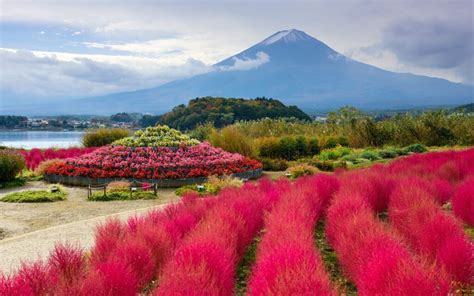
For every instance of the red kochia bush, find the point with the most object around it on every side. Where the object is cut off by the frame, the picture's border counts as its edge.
(371, 255)
(205, 262)
(140, 247)
(68, 264)
(61, 275)
(287, 261)
(414, 212)
(35, 156)
(463, 201)
(373, 184)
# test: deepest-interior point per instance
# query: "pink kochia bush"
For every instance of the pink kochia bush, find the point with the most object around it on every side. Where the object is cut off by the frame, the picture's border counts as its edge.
(287, 261)
(63, 272)
(36, 156)
(155, 163)
(371, 255)
(463, 201)
(205, 263)
(128, 257)
(415, 213)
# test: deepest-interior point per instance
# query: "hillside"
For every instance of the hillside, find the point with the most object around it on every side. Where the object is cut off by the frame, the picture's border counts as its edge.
(468, 108)
(225, 111)
(292, 67)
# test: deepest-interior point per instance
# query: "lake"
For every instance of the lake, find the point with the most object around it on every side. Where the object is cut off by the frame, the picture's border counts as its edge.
(40, 139)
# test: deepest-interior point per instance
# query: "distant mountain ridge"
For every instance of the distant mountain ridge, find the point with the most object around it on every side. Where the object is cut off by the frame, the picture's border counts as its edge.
(295, 68)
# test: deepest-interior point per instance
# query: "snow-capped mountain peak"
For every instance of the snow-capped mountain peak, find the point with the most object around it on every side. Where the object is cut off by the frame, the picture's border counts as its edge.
(286, 36)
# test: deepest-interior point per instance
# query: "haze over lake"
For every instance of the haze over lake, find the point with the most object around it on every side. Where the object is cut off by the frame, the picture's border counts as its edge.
(40, 139)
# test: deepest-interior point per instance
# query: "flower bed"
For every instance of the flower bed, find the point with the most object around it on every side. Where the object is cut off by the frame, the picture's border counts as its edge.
(155, 163)
(36, 156)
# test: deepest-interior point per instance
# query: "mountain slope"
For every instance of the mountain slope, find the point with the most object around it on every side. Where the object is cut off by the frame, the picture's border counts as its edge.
(298, 70)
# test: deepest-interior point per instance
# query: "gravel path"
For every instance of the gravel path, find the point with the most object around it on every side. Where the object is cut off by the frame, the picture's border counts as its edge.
(21, 218)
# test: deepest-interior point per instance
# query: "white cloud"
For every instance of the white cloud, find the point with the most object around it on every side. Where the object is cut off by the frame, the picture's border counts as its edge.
(247, 64)
(56, 75)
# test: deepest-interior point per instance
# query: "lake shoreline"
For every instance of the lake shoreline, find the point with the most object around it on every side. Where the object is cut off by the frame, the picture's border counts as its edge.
(29, 139)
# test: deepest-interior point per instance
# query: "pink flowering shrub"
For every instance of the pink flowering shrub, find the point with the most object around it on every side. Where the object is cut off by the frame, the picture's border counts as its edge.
(155, 163)
(36, 156)
(463, 201)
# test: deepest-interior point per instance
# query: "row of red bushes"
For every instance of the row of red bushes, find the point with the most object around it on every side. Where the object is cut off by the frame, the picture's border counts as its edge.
(36, 156)
(206, 262)
(287, 261)
(415, 213)
(370, 254)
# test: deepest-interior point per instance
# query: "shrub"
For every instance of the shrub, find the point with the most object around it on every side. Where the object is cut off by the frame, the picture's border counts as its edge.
(232, 140)
(328, 165)
(68, 264)
(333, 142)
(371, 255)
(205, 263)
(270, 164)
(463, 201)
(103, 136)
(414, 212)
(287, 262)
(17, 182)
(41, 169)
(118, 194)
(288, 148)
(213, 185)
(35, 156)
(118, 186)
(55, 192)
(216, 184)
(388, 153)
(415, 148)
(334, 153)
(158, 136)
(370, 155)
(300, 170)
(11, 164)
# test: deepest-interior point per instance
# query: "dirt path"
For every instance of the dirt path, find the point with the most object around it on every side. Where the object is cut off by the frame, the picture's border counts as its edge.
(21, 218)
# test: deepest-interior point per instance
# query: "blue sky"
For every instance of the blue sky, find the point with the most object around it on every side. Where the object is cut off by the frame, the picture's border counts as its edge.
(69, 49)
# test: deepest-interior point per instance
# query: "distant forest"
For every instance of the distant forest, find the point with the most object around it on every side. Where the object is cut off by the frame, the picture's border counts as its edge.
(223, 111)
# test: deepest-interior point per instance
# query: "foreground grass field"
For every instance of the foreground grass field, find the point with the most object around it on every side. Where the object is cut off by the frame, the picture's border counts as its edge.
(356, 231)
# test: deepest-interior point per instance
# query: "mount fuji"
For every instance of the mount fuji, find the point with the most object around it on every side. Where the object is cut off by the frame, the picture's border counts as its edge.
(298, 70)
